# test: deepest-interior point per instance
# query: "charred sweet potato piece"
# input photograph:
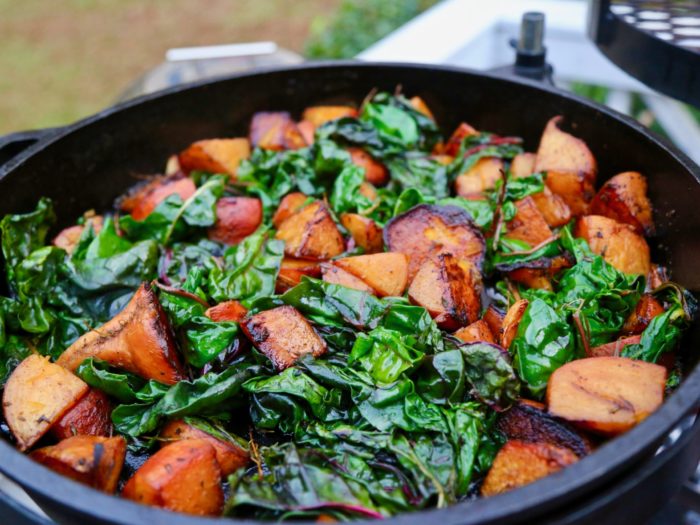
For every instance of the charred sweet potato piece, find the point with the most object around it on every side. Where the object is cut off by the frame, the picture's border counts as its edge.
(319, 115)
(283, 335)
(606, 395)
(647, 308)
(275, 130)
(37, 394)
(183, 476)
(614, 348)
(292, 270)
(289, 205)
(364, 231)
(481, 177)
(420, 106)
(511, 322)
(528, 225)
(449, 289)
(91, 416)
(215, 155)
(375, 172)
(386, 273)
(236, 218)
(230, 455)
(95, 461)
(624, 198)
(518, 464)
(570, 166)
(68, 238)
(311, 234)
(139, 339)
(336, 275)
(540, 276)
(144, 198)
(427, 231)
(455, 140)
(227, 311)
(616, 243)
(494, 318)
(532, 424)
(523, 165)
(476, 332)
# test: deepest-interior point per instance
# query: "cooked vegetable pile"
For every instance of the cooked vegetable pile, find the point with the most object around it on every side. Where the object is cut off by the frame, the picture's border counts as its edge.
(346, 316)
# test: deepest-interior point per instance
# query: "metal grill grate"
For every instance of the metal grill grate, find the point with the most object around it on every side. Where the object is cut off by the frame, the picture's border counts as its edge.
(675, 21)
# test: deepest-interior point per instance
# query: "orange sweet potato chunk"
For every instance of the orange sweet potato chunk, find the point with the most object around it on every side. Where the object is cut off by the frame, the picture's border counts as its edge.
(319, 115)
(455, 140)
(386, 273)
(481, 177)
(617, 243)
(236, 218)
(493, 317)
(283, 335)
(139, 339)
(144, 198)
(449, 289)
(523, 165)
(275, 130)
(570, 166)
(335, 275)
(518, 464)
(646, 309)
(364, 231)
(375, 172)
(624, 198)
(215, 155)
(606, 395)
(91, 416)
(420, 106)
(37, 394)
(528, 225)
(426, 231)
(311, 234)
(289, 205)
(95, 461)
(614, 348)
(511, 322)
(227, 311)
(478, 331)
(292, 270)
(183, 476)
(68, 237)
(230, 455)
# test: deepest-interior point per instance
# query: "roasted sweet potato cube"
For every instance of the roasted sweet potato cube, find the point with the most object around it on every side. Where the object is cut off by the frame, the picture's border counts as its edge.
(91, 416)
(37, 394)
(420, 106)
(518, 464)
(236, 218)
(552, 207)
(478, 331)
(617, 243)
(606, 395)
(523, 165)
(311, 234)
(531, 277)
(481, 177)
(275, 130)
(449, 289)
(292, 270)
(455, 140)
(68, 237)
(215, 155)
(144, 198)
(528, 225)
(183, 476)
(336, 275)
(139, 339)
(230, 455)
(375, 172)
(570, 166)
(647, 308)
(511, 322)
(529, 422)
(95, 461)
(364, 231)
(283, 335)
(427, 231)
(624, 198)
(307, 131)
(289, 205)
(615, 348)
(386, 273)
(494, 319)
(319, 115)
(227, 311)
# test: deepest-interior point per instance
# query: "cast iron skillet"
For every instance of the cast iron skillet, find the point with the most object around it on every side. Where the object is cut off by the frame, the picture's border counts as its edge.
(88, 164)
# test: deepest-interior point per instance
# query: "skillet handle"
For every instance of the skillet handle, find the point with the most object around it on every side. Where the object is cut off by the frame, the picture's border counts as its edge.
(13, 144)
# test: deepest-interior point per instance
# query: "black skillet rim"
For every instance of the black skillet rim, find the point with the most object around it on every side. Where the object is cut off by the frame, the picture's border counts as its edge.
(530, 501)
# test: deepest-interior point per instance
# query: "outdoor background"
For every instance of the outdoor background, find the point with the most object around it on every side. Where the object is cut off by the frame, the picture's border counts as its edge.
(65, 59)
